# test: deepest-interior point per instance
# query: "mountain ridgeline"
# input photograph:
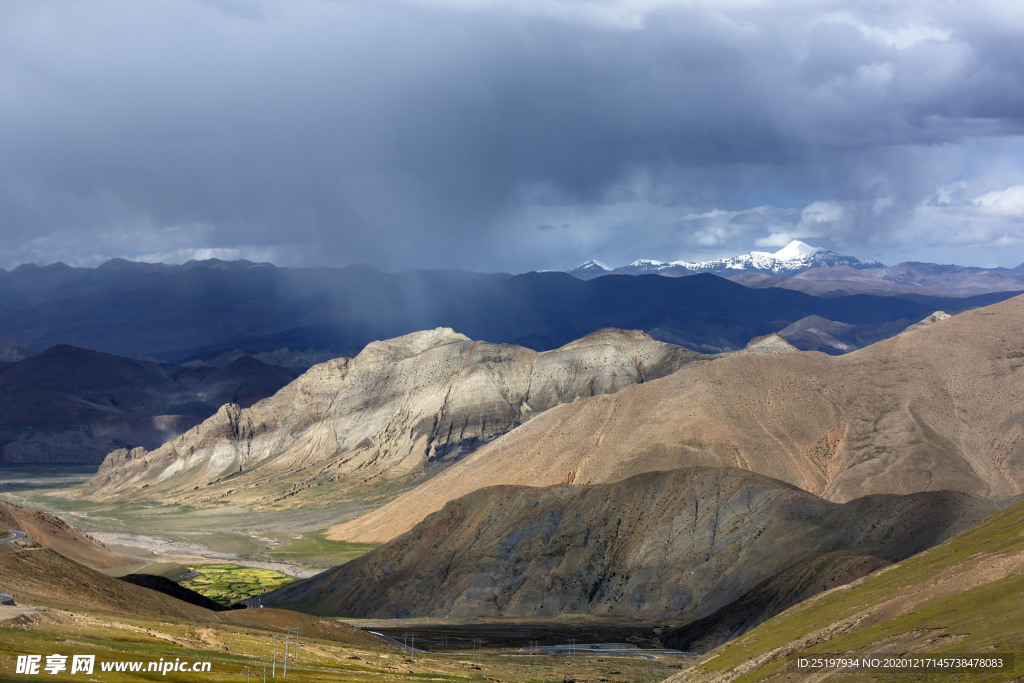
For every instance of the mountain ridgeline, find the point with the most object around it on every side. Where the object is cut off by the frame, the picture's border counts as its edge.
(939, 407)
(794, 258)
(401, 408)
(201, 310)
(677, 544)
(804, 268)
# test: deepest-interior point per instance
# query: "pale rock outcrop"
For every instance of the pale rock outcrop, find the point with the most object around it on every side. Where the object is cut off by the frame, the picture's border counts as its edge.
(930, 320)
(398, 409)
(768, 345)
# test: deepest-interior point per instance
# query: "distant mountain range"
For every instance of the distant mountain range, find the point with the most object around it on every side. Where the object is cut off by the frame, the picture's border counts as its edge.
(795, 257)
(820, 271)
(72, 405)
(201, 311)
(68, 404)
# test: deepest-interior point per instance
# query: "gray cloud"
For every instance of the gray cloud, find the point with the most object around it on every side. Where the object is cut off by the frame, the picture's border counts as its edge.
(442, 134)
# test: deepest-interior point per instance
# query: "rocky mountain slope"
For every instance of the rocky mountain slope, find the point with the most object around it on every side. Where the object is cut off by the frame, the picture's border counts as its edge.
(962, 596)
(400, 409)
(814, 333)
(941, 407)
(75, 405)
(662, 544)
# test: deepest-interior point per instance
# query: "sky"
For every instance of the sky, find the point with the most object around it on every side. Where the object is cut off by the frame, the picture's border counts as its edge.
(509, 134)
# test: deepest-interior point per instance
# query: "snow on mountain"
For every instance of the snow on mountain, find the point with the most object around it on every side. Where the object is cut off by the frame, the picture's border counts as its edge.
(796, 250)
(647, 266)
(794, 258)
(591, 268)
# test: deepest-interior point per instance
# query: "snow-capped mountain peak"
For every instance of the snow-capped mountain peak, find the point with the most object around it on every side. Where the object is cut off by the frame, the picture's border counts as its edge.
(794, 258)
(589, 269)
(796, 250)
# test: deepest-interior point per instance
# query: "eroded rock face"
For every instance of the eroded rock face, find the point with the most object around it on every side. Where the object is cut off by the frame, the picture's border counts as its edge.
(939, 407)
(680, 543)
(400, 407)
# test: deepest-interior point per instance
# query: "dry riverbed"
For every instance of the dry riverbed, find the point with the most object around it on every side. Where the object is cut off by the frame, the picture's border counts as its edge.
(151, 548)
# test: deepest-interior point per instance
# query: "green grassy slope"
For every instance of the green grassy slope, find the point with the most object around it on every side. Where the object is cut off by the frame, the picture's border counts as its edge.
(962, 596)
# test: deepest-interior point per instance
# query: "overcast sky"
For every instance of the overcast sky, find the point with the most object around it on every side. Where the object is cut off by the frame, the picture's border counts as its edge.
(509, 134)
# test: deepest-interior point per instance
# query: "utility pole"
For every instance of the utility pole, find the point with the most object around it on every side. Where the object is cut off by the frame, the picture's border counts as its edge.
(285, 656)
(412, 650)
(295, 650)
(273, 670)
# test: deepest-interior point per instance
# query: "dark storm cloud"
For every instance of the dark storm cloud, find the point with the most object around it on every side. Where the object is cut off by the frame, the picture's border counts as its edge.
(444, 133)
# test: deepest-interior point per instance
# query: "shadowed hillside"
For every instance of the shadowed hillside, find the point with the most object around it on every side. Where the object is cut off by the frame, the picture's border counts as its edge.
(663, 544)
(75, 405)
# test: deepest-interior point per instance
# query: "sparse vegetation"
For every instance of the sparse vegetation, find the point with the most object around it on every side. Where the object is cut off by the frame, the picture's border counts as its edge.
(983, 618)
(325, 654)
(314, 549)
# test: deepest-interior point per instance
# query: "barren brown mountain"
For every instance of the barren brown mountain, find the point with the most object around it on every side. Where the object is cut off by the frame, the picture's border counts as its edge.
(400, 409)
(56, 566)
(940, 407)
(56, 534)
(37, 575)
(662, 544)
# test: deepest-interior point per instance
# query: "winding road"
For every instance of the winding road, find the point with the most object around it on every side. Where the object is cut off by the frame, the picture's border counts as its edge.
(15, 535)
